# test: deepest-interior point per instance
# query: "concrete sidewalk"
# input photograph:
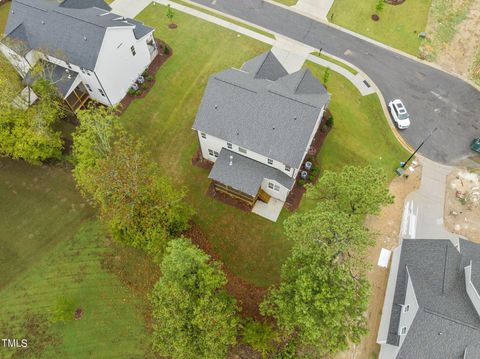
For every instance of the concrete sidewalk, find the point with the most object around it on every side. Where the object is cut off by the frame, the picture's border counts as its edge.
(424, 208)
(318, 8)
(129, 8)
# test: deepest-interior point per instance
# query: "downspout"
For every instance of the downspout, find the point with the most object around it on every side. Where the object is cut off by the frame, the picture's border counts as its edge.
(102, 88)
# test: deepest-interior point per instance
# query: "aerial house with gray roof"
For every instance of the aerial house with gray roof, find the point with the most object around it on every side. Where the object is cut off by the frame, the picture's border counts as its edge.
(257, 124)
(90, 52)
(432, 302)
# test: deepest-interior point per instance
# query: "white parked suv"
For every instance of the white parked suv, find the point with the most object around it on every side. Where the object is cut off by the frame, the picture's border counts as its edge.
(399, 113)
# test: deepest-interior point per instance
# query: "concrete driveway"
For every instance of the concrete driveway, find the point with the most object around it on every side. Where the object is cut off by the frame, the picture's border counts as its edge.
(433, 97)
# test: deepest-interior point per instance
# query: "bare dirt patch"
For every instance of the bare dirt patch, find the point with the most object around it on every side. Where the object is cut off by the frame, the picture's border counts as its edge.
(462, 203)
(386, 228)
(453, 35)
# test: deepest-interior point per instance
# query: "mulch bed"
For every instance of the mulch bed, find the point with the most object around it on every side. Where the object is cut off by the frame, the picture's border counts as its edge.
(394, 2)
(248, 295)
(151, 70)
(199, 161)
(295, 196)
(78, 313)
(375, 17)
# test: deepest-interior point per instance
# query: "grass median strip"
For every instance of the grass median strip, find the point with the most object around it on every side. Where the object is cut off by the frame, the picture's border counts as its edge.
(233, 21)
(336, 62)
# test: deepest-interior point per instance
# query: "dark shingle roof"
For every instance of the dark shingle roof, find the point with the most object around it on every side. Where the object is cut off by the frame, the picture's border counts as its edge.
(265, 66)
(65, 30)
(59, 76)
(85, 4)
(18, 41)
(270, 118)
(436, 269)
(245, 175)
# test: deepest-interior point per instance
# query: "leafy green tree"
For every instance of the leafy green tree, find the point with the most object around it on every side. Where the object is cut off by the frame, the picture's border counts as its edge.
(142, 208)
(319, 300)
(93, 140)
(194, 316)
(260, 336)
(170, 13)
(326, 75)
(380, 5)
(354, 190)
(29, 133)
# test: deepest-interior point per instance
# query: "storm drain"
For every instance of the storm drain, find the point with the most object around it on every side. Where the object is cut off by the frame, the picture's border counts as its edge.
(366, 83)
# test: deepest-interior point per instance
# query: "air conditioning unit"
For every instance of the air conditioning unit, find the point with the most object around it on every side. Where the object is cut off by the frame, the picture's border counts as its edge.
(140, 79)
(308, 165)
(304, 175)
(134, 86)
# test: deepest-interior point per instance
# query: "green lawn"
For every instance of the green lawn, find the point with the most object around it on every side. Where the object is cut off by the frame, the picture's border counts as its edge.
(337, 62)
(251, 247)
(4, 9)
(51, 250)
(398, 25)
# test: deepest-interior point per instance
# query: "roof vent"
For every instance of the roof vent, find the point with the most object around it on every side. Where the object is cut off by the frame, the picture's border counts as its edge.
(216, 107)
(43, 22)
(273, 128)
(231, 161)
(84, 38)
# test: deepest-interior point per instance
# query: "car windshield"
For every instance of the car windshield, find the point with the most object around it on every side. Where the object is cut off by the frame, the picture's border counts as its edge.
(403, 116)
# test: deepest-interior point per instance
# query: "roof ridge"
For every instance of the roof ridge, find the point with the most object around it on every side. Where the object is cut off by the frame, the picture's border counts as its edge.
(79, 19)
(299, 82)
(32, 6)
(292, 99)
(443, 316)
(230, 83)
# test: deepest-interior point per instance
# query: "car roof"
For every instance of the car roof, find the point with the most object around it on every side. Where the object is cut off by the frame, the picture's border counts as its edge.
(400, 106)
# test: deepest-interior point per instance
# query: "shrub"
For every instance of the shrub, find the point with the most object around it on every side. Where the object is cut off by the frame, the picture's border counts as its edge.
(132, 91)
(301, 182)
(260, 336)
(166, 50)
(149, 78)
(329, 121)
(380, 5)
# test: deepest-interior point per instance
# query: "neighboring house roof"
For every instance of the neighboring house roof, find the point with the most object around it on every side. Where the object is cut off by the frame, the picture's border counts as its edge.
(446, 323)
(64, 30)
(59, 76)
(273, 118)
(244, 174)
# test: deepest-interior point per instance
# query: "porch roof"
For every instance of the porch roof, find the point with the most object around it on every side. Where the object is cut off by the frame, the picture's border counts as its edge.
(244, 174)
(62, 78)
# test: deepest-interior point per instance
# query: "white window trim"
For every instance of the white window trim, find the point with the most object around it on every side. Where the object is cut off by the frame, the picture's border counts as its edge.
(403, 330)
(406, 308)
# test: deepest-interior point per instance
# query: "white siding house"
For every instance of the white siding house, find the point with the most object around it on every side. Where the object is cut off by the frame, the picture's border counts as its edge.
(256, 124)
(91, 52)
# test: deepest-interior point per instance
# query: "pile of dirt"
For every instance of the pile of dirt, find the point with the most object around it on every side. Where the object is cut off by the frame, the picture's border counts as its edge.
(462, 203)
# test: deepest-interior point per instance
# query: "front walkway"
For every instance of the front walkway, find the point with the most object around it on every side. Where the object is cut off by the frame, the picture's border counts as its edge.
(270, 210)
(316, 8)
(423, 209)
(129, 8)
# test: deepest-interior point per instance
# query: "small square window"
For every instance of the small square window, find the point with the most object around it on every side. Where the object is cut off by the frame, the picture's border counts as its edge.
(242, 150)
(132, 49)
(204, 135)
(288, 168)
(215, 153)
(88, 87)
(270, 161)
(403, 331)
(276, 188)
(406, 308)
(210, 152)
(101, 92)
(229, 145)
(270, 185)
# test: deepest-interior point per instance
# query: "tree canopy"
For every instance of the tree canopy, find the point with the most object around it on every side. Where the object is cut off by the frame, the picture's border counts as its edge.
(194, 316)
(29, 133)
(141, 206)
(354, 190)
(319, 300)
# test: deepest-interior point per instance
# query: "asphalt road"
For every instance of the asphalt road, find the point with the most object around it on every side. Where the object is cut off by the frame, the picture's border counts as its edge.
(433, 98)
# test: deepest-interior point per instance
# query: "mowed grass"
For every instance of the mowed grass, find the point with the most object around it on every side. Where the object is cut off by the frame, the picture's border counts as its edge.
(361, 134)
(251, 247)
(4, 10)
(51, 250)
(110, 322)
(40, 208)
(398, 25)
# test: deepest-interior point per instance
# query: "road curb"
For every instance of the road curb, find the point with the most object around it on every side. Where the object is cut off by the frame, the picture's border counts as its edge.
(374, 42)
